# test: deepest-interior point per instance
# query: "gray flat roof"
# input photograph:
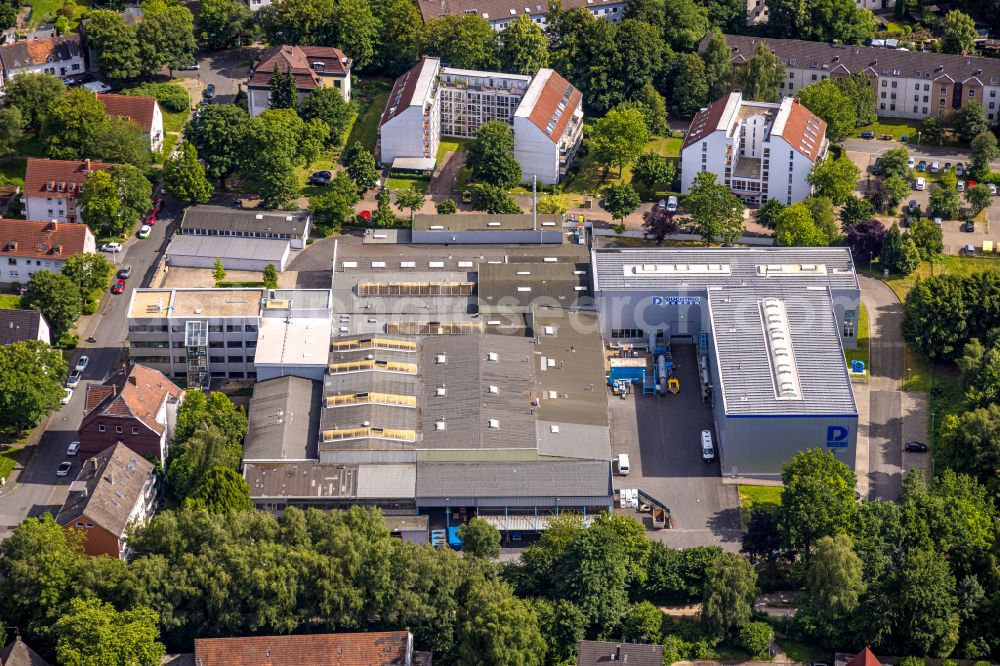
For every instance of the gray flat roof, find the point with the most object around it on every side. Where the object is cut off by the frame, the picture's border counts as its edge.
(486, 222)
(591, 478)
(221, 218)
(283, 420)
(515, 286)
(743, 354)
(699, 268)
(228, 247)
(310, 479)
(303, 299)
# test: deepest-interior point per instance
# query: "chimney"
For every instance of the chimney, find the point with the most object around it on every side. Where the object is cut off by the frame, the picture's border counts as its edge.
(87, 168)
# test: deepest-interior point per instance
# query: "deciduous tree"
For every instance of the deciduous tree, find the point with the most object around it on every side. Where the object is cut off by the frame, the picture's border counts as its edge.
(984, 151)
(217, 132)
(858, 91)
(284, 92)
(92, 632)
(899, 254)
(33, 94)
(944, 202)
(335, 205)
(730, 590)
(979, 198)
(865, 238)
(825, 99)
(927, 237)
(401, 37)
(685, 23)
(971, 121)
(796, 228)
(834, 179)
(165, 36)
(619, 137)
(928, 614)
(658, 223)
(652, 168)
(855, 211)
(115, 45)
(718, 65)
(184, 177)
(643, 622)
(328, 105)
(480, 539)
(222, 490)
(716, 212)
(522, 47)
(410, 199)
(269, 277)
(767, 214)
(495, 627)
(31, 376)
(621, 200)
(449, 207)
(465, 41)
(215, 410)
(551, 204)
(221, 23)
(896, 162)
(90, 272)
(491, 156)
(655, 108)
(360, 165)
(759, 78)
(11, 129)
(817, 499)
(690, 91)
(206, 449)
(958, 33)
(73, 124)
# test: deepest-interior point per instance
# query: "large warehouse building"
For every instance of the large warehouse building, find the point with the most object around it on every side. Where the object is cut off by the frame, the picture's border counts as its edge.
(771, 324)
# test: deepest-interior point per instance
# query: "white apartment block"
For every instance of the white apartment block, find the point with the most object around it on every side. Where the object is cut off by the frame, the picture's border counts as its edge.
(499, 13)
(28, 247)
(52, 188)
(205, 334)
(429, 101)
(906, 84)
(758, 150)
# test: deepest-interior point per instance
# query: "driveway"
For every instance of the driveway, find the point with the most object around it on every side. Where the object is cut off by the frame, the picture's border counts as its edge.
(443, 182)
(37, 488)
(227, 70)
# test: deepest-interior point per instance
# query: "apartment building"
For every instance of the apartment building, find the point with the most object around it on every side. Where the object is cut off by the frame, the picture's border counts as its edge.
(758, 150)
(499, 13)
(145, 112)
(205, 334)
(430, 101)
(52, 187)
(906, 84)
(58, 56)
(27, 247)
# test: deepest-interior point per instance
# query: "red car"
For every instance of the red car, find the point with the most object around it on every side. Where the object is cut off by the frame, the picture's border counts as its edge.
(119, 287)
(365, 216)
(157, 205)
(150, 218)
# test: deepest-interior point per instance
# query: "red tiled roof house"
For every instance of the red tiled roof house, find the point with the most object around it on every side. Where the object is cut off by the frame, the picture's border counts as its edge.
(136, 407)
(52, 187)
(376, 648)
(58, 56)
(311, 66)
(143, 111)
(27, 246)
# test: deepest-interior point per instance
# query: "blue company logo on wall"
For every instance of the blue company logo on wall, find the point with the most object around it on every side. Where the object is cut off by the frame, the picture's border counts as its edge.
(676, 300)
(836, 437)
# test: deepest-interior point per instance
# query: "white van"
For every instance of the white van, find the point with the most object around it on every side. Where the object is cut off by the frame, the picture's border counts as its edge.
(920, 183)
(707, 449)
(621, 464)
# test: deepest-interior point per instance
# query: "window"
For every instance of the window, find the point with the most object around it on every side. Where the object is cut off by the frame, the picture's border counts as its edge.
(972, 93)
(941, 102)
(232, 328)
(885, 84)
(944, 90)
(925, 99)
(894, 83)
(215, 344)
(927, 87)
(883, 95)
(235, 359)
(135, 430)
(217, 359)
(791, 76)
(250, 328)
(101, 428)
(119, 429)
(215, 328)
(813, 77)
(993, 93)
(234, 343)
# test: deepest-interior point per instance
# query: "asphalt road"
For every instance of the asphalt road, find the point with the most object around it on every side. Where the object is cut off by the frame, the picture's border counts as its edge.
(38, 489)
(225, 69)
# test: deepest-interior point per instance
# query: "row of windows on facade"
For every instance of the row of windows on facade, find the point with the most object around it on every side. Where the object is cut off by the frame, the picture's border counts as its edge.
(12, 261)
(179, 328)
(238, 234)
(165, 344)
(165, 360)
(118, 429)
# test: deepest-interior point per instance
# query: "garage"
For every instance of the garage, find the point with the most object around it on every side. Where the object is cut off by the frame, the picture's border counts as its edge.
(236, 254)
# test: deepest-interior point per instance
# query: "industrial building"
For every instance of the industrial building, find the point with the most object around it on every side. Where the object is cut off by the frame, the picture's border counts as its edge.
(770, 325)
(251, 223)
(487, 228)
(236, 254)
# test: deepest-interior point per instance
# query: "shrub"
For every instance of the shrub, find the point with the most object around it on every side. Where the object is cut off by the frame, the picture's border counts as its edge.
(912, 661)
(756, 639)
(171, 97)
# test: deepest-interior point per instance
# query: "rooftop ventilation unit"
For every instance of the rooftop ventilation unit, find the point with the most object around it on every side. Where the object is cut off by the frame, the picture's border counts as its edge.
(779, 343)
(441, 358)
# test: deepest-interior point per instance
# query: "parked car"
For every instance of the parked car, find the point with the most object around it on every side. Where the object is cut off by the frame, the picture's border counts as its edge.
(111, 247)
(993, 188)
(868, 135)
(910, 162)
(118, 287)
(365, 216)
(209, 91)
(919, 184)
(947, 166)
(321, 178)
(937, 221)
(67, 396)
(73, 448)
(916, 447)
(64, 468)
(191, 68)
(157, 205)
(662, 203)
(150, 218)
(935, 167)
(672, 204)
(82, 363)
(969, 226)
(914, 206)
(969, 250)
(97, 87)
(922, 166)
(959, 169)
(73, 380)
(125, 272)
(961, 186)
(877, 167)
(145, 230)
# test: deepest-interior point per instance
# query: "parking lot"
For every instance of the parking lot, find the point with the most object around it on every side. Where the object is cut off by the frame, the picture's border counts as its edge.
(661, 437)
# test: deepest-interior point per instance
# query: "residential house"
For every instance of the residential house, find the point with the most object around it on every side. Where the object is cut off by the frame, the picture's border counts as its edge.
(864, 658)
(114, 489)
(499, 13)
(758, 150)
(143, 111)
(906, 84)
(136, 406)
(59, 56)
(52, 187)
(311, 67)
(17, 653)
(20, 325)
(254, 223)
(598, 653)
(429, 101)
(27, 246)
(376, 648)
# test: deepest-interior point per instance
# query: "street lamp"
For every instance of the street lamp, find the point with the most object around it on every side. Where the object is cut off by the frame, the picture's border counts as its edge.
(918, 138)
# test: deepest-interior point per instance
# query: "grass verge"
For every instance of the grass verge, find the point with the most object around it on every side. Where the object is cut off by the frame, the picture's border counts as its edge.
(767, 498)
(403, 182)
(371, 106)
(12, 171)
(10, 302)
(8, 460)
(802, 652)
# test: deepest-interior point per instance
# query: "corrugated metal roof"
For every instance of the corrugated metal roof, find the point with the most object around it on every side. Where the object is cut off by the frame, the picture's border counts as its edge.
(283, 420)
(387, 481)
(744, 361)
(590, 478)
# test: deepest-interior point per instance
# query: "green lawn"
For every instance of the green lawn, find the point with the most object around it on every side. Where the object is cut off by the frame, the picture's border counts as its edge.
(174, 121)
(862, 352)
(896, 127)
(802, 652)
(8, 459)
(403, 182)
(449, 144)
(10, 302)
(46, 11)
(365, 127)
(589, 177)
(12, 171)
(767, 498)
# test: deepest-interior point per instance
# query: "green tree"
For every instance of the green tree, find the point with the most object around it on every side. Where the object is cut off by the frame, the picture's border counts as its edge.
(971, 121)
(584, 50)
(970, 441)
(206, 449)
(834, 577)
(718, 65)
(825, 99)
(298, 22)
(958, 33)
(410, 199)
(335, 205)
(652, 168)
(756, 638)
(184, 177)
(101, 204)
(356, 30)
(858, 91)
(360, 165)
(480, 539)
(491, 155)
(275, 144)
(328, 105)
(621, 200)
(449, 207)
(767, 214)
(269, 277)
(690, 91)
(221, 23)
(31, 375)
(899, 254)
(795, 228)
(93, 633)
(944, 202)
(730, 590)
(492, 199)
(136, 194)
(90, 272)
(171, 96)
(716, 212)
(315, 136)
(165, 36)
(219, 271)
(56, 297)
(685, 23)
(855, 211)
(562, 625)
(643, 622)
(821, 209)
(222, 490)
(984, 151)
(655, 108)
(115, 45)
(73, 125)
(284, 92)
(215, 410)
(551, 204)
(897, 188)
(979, 198)
(11, 129)
(931, 129)
(980, 366)
(927, 236)
(495, 627)
(217, 132)
(817, 499)
(896, 162)
(522, 47)
(402, 34)
(121, 141)
(467, 41)
(835, 179)
(642, 62)
(619, 137)
(383, 216)
(33, 94)
(759, 78)
(928, 616)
